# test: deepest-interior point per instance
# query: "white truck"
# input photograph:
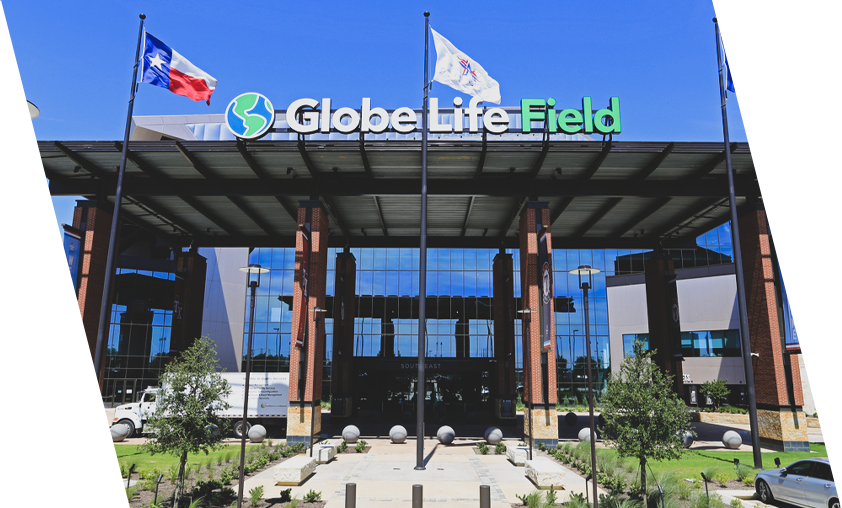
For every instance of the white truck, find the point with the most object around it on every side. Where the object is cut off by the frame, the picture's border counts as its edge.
(268, 401)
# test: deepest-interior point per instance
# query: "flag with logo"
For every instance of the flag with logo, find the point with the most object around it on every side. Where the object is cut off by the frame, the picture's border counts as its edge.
(729, 83)
(458, 71)
(165, 67)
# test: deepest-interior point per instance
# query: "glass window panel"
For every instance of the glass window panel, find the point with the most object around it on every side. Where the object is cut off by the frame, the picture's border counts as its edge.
(586, 257)
(457, 283)
(484, 259)
(405, 259)
(254, 256)
(264, 258)
(288, 282)
(392, 283)
(366, 259)
(275, 280)
(444, 259)
(379, 259)
(712, 238)
(469, 259)
(455, 259)
(393, 259)
(470, 283)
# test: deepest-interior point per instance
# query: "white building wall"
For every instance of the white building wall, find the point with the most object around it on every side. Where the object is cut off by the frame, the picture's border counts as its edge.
(223, 315)
(626, 315)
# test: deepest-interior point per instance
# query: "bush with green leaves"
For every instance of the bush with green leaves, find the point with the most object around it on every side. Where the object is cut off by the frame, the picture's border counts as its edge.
(256, 495)
(715, 390)
(312, 496)
(532, 500)
(483, 448)
(551, 497)
(577, 500)
(500, 449)
(360, 446)
(286, 495)
(736, 503)
(342, 446)
(542, 447)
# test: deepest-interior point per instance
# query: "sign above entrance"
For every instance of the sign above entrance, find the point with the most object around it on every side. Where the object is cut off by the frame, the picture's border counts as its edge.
(246, 117)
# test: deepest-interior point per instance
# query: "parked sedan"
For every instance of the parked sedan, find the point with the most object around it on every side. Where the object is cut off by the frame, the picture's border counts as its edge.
(806, 483)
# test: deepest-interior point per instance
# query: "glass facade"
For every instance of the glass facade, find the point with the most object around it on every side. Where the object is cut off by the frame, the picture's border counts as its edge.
(710, 343)
(139, 333)
(628, 342)
(460, 305)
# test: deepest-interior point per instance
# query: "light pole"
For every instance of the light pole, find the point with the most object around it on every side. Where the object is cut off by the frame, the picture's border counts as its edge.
(527, 381)
(317, 312)
(253, 271)
(586, 285)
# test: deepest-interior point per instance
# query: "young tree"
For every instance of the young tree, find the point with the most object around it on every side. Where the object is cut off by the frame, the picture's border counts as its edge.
(716, 390)
(644, 418)
(184, 421)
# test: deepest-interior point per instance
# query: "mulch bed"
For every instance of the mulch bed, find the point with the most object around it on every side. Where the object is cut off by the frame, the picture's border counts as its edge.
(143, 498)
(352, 451)
(490, 451)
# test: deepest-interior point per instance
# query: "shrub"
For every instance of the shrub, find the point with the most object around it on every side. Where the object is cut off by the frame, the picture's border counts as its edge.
(342, 446)
(735, 503)
(359, 448)
(313, 496)
(745, 472)
(256, 495)
(500, 449)
(483, 448)
(716, 390)
(577, 500)
(286, 495)
(542, 447)
(551, 497)
(532, 500)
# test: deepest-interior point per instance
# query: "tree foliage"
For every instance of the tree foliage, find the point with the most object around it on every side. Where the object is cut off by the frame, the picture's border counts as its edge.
(716, 390)
(184, 421)
(644, 418)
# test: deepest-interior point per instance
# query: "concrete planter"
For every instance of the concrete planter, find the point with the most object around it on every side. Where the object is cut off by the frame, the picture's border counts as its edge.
(545, 473)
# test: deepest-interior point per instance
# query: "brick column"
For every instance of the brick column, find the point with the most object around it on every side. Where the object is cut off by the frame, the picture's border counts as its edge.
(664, 318)
(307, 358)
(188, 300)
(504, 385)
(344, 311)
(781, 421)
(95, 224)
(538, 359)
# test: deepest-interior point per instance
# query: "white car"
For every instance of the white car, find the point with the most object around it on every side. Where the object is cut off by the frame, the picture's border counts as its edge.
(807, 483)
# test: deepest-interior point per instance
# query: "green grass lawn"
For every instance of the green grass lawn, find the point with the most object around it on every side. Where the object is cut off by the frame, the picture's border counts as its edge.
(133, 454)
(695, 461)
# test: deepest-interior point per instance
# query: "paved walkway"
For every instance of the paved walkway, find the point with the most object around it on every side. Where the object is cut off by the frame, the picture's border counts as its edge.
(385, 475)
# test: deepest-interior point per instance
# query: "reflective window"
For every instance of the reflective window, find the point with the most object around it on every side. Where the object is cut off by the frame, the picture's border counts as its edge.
(711, 343)
(628, 342)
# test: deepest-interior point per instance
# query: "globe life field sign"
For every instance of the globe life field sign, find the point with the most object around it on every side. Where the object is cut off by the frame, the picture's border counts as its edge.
(248, 117)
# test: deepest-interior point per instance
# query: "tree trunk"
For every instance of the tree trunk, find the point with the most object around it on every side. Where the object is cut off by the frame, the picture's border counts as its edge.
(179, 487)
(643, 481)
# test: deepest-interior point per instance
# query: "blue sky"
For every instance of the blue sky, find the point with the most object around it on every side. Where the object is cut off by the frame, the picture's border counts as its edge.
(659, 57)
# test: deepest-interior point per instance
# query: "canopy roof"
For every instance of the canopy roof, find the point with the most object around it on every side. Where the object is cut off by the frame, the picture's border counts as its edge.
(233, 193)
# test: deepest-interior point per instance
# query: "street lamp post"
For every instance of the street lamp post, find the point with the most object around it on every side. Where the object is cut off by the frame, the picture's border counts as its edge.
(253, 271)
(527, 381)
(586, 284)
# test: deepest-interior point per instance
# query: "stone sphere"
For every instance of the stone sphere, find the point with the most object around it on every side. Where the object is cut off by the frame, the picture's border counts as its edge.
(119, 432)
(493, 435)
(397, 434)
(571, 419)
(446, 435)
(585, 434)
(351, 433)
(213, 429)
(687, 439)
(257, 433)
(732, 440)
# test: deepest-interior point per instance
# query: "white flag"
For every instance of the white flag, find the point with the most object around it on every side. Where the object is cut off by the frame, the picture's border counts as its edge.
(458, 71)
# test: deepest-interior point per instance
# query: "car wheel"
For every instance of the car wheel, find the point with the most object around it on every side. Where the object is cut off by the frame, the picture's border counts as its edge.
(238, 429)
(834, 503)
(130, 425)
(763, 492)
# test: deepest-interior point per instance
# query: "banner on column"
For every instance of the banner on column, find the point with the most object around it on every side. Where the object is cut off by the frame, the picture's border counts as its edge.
(305, 273)
(545, 287)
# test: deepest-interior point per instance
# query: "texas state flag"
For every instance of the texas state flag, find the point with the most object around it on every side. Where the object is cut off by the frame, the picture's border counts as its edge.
(165, 67)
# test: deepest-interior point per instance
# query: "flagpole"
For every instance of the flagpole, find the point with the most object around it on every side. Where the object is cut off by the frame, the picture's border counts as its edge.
(745, 338)
(105, 309)
(422, 273)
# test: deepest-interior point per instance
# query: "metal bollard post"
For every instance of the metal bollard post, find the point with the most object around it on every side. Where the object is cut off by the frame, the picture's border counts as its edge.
(417, 496)
(350, 495)
(484, 496)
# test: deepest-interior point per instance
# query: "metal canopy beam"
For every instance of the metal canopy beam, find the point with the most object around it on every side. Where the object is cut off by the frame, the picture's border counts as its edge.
(302, 149)
(364, 157)
(81, 161)
(197, 165)
(640, 216)
(481, 162)
(467, 216)
(242, 147)
(210, 214)
(715, 186)
(597, 162)
(504, 229)
(596, 217)
(331, 209)
(656, 162)
(380, 214)
(714, 161)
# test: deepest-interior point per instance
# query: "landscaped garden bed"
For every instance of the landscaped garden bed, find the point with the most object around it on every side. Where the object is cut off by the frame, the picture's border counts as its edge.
(212, 477)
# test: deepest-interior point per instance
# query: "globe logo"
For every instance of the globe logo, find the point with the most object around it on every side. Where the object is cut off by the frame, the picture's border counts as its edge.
(249, 116)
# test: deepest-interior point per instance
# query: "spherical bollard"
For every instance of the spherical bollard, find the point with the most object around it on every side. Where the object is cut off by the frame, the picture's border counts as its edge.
(351, 433)
(585, 434)
(397, 434)
(571, 419)
(446, 435)
(257, 433)
(493, 435)
(214, 430)
(686, 439)
(732, 440)
(119, 432)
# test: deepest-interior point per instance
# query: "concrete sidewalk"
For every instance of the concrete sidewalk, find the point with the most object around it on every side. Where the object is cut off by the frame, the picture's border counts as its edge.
(385, 475)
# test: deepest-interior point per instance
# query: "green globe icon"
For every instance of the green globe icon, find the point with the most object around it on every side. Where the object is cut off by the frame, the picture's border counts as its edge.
(249, 115)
